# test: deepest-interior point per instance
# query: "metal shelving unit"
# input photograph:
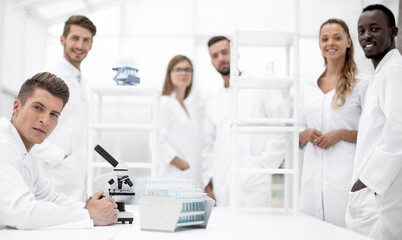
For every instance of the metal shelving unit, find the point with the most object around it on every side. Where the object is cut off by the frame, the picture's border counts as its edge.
(287, 125)
(97, 126)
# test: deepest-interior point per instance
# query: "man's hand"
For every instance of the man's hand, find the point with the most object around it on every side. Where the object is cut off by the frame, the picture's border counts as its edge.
(208, 190)
(102, 211)
(87, 202)
(309, 135)
(359, 185)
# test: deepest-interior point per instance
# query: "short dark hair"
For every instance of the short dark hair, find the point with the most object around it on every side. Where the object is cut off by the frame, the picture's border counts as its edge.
(217, 39)
(81, 21)
(46, 81)
(385, 10)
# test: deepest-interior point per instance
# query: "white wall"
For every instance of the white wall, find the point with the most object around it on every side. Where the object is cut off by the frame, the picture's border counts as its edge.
(1, 51)
(22, 47)
(149, 33)
(314, 12)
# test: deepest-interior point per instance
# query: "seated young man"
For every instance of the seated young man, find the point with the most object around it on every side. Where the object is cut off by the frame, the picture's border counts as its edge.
(27, 200)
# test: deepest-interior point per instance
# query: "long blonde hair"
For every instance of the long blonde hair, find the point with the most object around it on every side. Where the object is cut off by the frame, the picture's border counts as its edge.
(347, 80)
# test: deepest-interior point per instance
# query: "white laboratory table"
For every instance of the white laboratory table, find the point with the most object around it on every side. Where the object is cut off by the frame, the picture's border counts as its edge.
(223, 224)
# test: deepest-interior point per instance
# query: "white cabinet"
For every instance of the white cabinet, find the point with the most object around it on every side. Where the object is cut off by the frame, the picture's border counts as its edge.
(288, 125)
(121, 100)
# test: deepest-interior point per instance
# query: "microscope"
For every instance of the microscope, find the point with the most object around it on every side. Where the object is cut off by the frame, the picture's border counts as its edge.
(116, 184)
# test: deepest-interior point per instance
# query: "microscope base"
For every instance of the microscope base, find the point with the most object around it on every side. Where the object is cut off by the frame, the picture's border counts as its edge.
(124, 217)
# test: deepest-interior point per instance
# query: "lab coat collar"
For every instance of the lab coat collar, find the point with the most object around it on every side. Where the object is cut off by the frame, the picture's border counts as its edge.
(173, 94)
(244, 73)
(319, 75)
(387, 56)
(69, 69)
(14, 134)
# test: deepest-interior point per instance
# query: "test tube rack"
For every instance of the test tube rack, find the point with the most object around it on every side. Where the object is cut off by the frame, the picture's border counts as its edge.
(165, 213)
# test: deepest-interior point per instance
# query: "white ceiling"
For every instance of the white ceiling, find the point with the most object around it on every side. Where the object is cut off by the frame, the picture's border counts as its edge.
(54, 11)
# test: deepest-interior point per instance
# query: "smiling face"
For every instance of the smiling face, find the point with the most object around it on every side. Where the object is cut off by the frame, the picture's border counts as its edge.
(334, 42)
(181, 74)
(220, 55)
(77, 44)
(37, 118)
(375, 36)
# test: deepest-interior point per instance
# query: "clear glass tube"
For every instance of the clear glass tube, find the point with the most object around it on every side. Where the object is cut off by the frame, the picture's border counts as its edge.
(269, 69)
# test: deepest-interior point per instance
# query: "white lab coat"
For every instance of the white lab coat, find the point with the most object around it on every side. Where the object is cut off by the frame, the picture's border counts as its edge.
(326, 174)
(376, 211)
(69, 139)
(254, 190)
(28, 200)
(178, 137)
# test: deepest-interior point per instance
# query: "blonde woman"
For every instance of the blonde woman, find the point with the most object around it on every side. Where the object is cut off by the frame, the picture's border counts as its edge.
(178, 140)
(330, 116)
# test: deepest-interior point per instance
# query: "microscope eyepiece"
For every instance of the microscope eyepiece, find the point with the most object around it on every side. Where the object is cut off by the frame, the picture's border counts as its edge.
(106, 155)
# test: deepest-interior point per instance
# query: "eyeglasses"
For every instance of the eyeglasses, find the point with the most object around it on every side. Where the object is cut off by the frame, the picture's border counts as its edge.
(182, 70)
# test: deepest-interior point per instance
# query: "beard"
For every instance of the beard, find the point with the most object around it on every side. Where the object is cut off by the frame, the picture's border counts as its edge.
(69, 54)
(225, 71)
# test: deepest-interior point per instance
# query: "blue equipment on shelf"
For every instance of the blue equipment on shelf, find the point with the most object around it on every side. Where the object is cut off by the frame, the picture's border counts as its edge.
(126, 76)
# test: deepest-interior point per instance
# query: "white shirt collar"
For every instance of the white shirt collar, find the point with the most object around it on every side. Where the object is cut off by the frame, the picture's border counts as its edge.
(386, 58)
(69, 69)
(14, 134)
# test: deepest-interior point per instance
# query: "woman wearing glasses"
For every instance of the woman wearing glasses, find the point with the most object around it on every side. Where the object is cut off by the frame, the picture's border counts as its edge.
(178, 138)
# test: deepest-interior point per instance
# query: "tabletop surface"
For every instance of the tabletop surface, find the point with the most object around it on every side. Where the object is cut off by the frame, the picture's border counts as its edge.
(224, 223)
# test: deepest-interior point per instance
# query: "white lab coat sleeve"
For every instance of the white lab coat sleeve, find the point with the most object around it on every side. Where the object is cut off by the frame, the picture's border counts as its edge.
(363, 82)
(302, 113)
(167, 151)
(273, 151)
(386, 161)
(302, 110)
(45, 192)
(209, 138)
(19, 206)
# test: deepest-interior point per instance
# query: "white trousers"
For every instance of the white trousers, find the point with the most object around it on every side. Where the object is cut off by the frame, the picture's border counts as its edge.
(379, 217)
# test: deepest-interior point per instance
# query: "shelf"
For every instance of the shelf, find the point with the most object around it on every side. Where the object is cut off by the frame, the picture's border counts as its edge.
(264, 129)
(289, 42)
(275, 38)
(265, 83)
(129, 165)
(110, 127)
(125, 91)
(268, 171)
(266, 122)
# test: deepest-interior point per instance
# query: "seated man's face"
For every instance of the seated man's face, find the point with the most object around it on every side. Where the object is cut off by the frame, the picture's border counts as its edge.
(37, 118)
